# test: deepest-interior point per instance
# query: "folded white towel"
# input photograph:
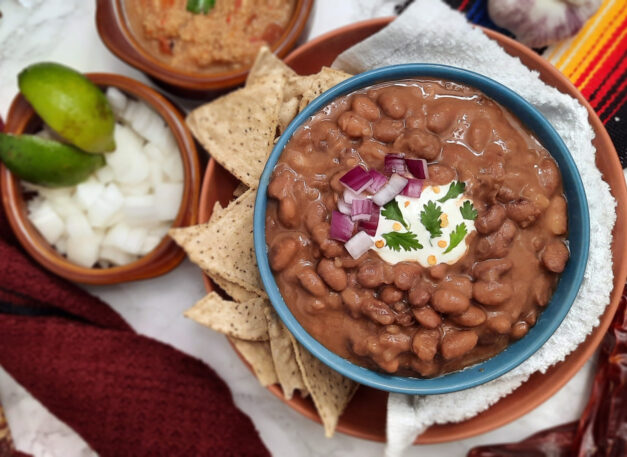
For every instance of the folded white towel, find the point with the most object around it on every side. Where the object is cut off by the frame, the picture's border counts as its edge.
(430, 32)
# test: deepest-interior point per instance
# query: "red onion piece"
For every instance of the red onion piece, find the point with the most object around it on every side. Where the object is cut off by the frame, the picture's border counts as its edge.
(370, 226)
(358, 245)
(378, 181)
(418, 168)
(361, 209)
(394, 163)
(343, 207)
(356, 179)
(395, 186)
(413, 188)
(341, 226)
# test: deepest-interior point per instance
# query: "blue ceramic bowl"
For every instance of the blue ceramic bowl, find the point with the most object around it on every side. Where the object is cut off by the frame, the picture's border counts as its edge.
(550, 318)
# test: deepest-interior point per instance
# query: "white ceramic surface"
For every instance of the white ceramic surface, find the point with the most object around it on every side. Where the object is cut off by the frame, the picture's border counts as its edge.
(64, 31)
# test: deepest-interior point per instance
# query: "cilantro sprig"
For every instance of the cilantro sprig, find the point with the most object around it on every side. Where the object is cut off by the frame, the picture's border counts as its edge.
(468, 211)
(405, 240)
(430, 218)
(392, 212)
(456, 189)
(456, 237)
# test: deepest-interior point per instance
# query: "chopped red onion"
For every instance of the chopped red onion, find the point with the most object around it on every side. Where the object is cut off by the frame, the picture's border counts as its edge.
(349, 196)
(418, 168)
(395, 186)
(343, 207)
(370, 226)
(358, 245)
(341, 226)
(356, 179)
(413, 188)
(361, 209)
(394, 163)
(378, 181)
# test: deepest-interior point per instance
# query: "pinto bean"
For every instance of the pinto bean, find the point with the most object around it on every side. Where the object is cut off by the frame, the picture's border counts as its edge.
(499, 324)
(427, 317)
(440, 118)
(479, 134)
(391, 294)
(378, 311)
(334, 276)
(491, 270)
(418, 295)
(548, 176)
(332, 248)
(440, 174)
(420, 142)
(282, 252)
(387, 130)
(405, 274)
(449, 301)
(496, 245)
(491, 293)
(555, 256)
(320, 232)
(392, 105)
(281, 183)
(459, 283)
(472, 317)
(426, 369)
(519, 330)
(491, 220)
(438, 271)
(365, 108)
(556, 219)
(353, 299)
(315, 214)
(312, 283)
(354, 125)
(373, 152)
(541, 289)
(457, 343)
(288, 212)
(371, 274)
(524, 212)
(425, 344)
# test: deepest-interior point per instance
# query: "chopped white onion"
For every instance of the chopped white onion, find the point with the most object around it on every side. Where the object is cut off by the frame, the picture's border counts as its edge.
(117, 100)
(46, 220)
(358, 245)
(395, 186)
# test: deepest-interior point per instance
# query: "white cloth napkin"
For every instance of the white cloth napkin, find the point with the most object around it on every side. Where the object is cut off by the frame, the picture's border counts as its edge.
(429, 31)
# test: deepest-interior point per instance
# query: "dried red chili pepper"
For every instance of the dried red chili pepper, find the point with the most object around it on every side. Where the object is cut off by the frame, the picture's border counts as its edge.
(602, 429)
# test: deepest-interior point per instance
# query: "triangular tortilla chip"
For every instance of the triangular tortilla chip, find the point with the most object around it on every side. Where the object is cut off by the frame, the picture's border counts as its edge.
(330, 391)
(225, 247)
(258, 355)
(238, 129)
(314, 85)
(266, 64)
(237, 293)
(241, 320)
(287, 369)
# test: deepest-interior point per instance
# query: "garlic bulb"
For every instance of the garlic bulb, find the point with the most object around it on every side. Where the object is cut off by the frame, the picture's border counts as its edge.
(538, 23)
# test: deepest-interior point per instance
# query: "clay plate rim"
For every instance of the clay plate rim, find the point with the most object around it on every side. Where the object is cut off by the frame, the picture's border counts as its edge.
(218, 183)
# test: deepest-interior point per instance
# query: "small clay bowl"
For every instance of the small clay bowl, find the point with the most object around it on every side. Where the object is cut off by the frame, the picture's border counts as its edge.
(115, 33)
(167, 255)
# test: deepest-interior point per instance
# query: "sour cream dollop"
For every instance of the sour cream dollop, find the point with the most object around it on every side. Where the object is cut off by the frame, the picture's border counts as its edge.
(456, 222)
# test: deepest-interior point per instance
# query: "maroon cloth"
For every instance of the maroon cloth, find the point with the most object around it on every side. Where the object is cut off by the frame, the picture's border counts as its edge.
(125, 394)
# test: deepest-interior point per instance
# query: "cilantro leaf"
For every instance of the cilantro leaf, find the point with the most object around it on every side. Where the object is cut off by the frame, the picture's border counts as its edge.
(457, 187)
(430, 218)
(468, 211)
(456, 237)
(392, 212)
(405, 240)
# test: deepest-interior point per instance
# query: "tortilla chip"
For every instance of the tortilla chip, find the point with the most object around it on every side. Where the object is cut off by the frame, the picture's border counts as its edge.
(237, 293)
(288, 111)
(266, 64)
(238, 129)
(287, 369)
(239, 190)
(241, 320)
(216, 213)
(314, 85)
(258, 355)
(225, 247)
(330, 391)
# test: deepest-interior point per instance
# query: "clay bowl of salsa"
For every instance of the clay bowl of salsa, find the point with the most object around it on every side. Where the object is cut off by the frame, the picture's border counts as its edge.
(410, 262)
(198, 54)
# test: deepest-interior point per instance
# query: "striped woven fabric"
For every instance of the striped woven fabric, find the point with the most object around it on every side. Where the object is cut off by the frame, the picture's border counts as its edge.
(595, 60)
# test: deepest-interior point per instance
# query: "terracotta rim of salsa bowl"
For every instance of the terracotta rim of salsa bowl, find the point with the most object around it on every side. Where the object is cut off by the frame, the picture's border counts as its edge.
(365, 415)
(115, 33)
(167, 255)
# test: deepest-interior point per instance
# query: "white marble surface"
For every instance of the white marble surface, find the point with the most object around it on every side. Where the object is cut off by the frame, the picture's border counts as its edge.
(63, 30)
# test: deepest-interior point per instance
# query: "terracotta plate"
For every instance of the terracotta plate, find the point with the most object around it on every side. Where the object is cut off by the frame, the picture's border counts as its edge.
(365, 416)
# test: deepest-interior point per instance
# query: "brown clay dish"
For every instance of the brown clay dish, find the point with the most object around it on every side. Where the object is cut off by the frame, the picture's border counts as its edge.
(116, 35)
(365, 416)
(166, 256)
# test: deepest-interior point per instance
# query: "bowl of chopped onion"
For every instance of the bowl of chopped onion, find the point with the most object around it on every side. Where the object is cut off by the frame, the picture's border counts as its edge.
(111, 227)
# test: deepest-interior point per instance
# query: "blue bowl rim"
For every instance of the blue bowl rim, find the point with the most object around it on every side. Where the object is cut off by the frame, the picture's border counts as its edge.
(553, 314)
